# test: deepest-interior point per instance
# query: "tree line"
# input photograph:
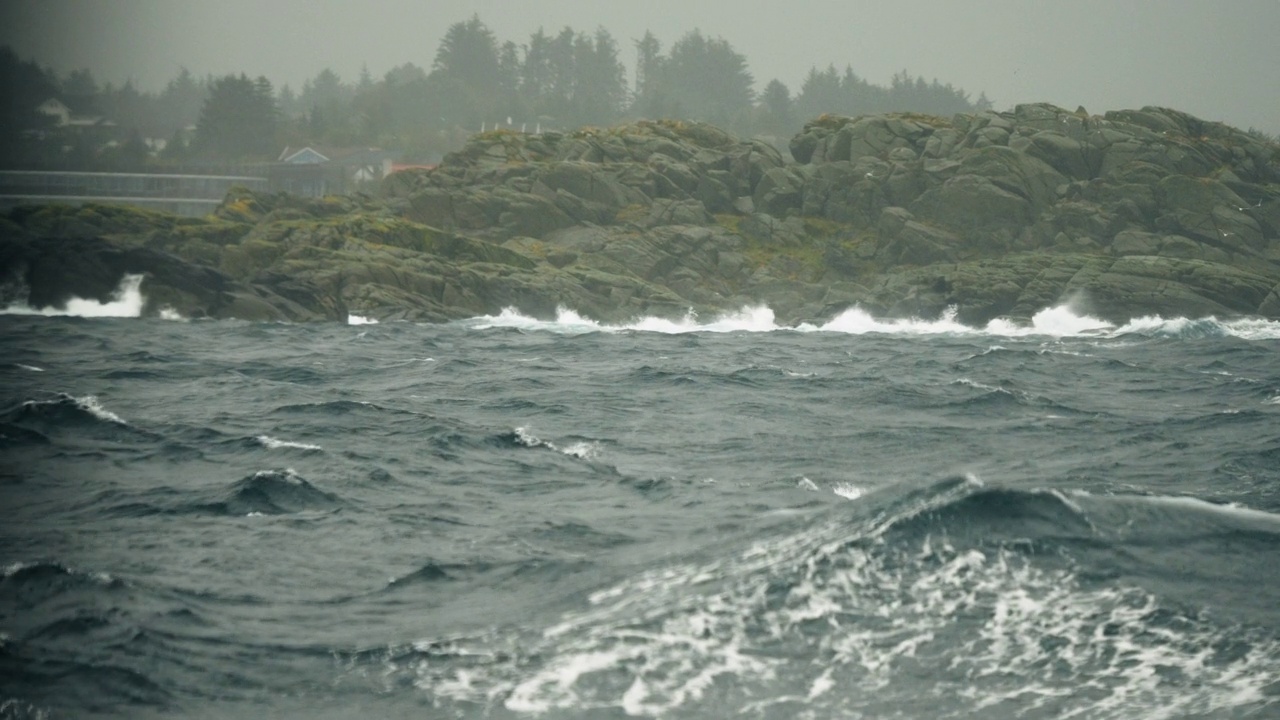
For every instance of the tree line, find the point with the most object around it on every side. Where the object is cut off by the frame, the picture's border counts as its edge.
(559, 80)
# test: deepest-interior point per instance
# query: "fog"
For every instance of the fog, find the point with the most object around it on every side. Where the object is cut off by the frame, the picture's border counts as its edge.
(1217, 60)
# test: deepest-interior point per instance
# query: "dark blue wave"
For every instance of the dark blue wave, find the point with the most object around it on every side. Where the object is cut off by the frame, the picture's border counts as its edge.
(275, 492)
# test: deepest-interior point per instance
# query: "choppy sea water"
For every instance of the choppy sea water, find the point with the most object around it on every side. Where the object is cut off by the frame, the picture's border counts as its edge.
(720, 517)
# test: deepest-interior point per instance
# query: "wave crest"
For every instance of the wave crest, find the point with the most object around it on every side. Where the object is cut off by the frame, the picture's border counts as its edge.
(277, 492)
(933, 590)
(126, 302)
(1056, 322)
(66, 408)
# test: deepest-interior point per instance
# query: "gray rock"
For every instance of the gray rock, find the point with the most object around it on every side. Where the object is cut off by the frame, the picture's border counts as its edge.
(973, 203)
(778, 192)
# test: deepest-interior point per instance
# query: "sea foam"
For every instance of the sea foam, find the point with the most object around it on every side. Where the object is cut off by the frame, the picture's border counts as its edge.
(271, 443)
(1062, 321)
(569, 322)
(127, 301)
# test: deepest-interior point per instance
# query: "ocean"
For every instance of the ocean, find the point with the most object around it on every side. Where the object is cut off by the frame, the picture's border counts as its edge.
(507, 517)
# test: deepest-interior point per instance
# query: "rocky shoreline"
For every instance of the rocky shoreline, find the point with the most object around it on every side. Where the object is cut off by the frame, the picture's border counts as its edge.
(1130, 213)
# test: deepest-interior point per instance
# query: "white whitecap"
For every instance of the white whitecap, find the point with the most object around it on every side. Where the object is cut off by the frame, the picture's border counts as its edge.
(1244, 329)
(976, 385)
(581, 450)
(748, 319)
(570, 322)
(1061, 321)
(275, 444)
(353, 319)
(527, 439)
(856, 321)
(88, 403)
(848, 490)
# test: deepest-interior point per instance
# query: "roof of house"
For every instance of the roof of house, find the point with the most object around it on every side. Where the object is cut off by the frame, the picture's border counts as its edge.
(345, 156)
(302, 156)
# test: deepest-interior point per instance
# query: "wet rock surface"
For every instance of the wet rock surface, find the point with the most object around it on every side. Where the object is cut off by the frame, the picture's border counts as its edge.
(998, 214)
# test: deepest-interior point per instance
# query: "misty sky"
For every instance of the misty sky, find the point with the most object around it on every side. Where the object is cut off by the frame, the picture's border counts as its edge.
(1219, 60)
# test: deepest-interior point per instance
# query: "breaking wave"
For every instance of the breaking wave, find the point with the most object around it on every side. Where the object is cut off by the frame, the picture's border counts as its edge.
(271, 443)
(569, 322)
(65, 409)
(581, 449)
(952, 601)
(1056, 322)
(273, 492)
(126, 302)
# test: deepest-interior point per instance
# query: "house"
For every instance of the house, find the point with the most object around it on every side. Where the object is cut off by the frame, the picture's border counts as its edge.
(56, 109)
(304, 156)
(314, 172)
(63, 117)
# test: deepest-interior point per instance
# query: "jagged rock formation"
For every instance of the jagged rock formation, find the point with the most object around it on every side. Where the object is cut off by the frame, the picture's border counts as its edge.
(1132, 212)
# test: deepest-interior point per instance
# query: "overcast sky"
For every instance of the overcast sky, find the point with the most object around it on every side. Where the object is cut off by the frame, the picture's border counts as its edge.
(1218, 59)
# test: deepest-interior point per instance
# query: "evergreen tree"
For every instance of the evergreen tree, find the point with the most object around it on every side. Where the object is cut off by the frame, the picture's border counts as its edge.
(465, 79)
(326, 89)
(327, 103)
(600, 84)
(706, 79)
(648, 56)
(180, 101)
(25, 86)
(775, 116)
(288, 102)
(535, 71)
(827, 92)
(80, 91)
(176, 149)
(510, 102)
(239, 119)
(468, 54)
(127, 107)
(558, 98)
(821, 93)
(129, 156)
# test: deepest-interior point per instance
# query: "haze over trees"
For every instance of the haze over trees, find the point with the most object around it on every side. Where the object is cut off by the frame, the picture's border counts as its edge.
(551, 81)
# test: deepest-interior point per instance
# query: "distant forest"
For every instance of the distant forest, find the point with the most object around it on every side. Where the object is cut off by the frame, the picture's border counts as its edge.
(550, 82)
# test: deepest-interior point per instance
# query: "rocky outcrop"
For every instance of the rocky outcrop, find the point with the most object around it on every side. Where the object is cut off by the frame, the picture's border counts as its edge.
(1128, 213)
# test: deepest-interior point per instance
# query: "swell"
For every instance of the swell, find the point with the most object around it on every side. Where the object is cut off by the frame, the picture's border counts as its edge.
(273, 492)
(73, 640)
(907, 594)
(265, 492)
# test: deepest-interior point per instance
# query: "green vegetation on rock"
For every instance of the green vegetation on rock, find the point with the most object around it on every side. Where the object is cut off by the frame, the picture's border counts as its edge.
(1132, 212)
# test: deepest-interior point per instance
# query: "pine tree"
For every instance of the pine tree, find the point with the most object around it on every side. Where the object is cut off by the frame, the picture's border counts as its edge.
(821, 93)
(239, 119)
(180, 101)
(775, 109)
(468, 54)
(648, 57)
(706, 79)
(535, 71)
(26, 86)
(600, 84)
